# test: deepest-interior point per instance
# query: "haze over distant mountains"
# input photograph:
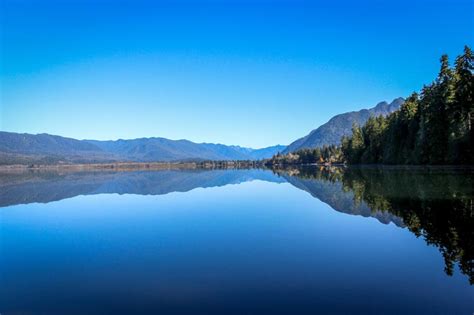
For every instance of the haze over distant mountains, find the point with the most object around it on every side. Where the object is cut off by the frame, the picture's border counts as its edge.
(16, 148)
(341, 125)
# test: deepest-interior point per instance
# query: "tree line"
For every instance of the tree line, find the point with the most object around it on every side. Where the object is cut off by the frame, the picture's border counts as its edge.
(330, 154)
(434, 126)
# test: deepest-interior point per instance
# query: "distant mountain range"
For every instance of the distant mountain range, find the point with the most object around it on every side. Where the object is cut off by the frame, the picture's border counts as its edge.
(18, 148)
(25, 148)
(341, 125)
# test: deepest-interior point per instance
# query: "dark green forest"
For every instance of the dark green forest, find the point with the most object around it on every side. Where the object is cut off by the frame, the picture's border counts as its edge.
(327, 154)
(432, 127)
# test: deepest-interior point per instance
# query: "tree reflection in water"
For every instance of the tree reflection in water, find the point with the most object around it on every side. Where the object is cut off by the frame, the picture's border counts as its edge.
(433, 203)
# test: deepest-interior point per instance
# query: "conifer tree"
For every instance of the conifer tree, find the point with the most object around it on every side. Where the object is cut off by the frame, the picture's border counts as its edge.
(462, 114)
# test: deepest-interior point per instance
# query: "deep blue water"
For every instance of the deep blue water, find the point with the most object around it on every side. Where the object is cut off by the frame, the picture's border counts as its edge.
(219, 242)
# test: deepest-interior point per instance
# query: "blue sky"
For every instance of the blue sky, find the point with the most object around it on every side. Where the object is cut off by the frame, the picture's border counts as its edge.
(252, 73)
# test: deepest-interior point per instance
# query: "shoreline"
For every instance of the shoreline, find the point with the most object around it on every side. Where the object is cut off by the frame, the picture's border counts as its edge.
(157, 166)
(131, 166)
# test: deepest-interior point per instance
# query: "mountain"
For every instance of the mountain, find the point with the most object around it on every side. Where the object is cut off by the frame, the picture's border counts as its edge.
(264, 153)
(18, 148)
(25, 148)
(341, 125)
(42, 144)
(161, 149)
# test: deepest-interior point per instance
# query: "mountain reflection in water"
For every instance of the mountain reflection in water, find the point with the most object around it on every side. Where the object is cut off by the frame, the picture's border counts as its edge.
(435, 203)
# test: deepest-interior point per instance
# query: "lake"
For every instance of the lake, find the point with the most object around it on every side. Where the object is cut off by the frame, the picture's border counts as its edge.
(240, 241)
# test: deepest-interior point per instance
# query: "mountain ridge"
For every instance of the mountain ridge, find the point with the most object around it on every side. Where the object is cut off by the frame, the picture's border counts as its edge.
(340, 125)
(24, 148)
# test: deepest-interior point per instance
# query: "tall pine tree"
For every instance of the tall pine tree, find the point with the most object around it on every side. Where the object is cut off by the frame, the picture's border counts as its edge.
(462, 114)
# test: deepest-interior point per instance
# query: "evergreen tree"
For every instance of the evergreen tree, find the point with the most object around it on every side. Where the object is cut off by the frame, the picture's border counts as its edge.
(462, 113)
(357, 145)
(437, 123)
(407, 129)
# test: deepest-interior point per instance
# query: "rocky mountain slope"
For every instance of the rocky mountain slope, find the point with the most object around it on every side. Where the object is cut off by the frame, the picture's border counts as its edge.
(341, 125)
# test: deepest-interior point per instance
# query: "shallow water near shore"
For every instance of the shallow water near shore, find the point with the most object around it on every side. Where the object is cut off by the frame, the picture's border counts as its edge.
(288, 241)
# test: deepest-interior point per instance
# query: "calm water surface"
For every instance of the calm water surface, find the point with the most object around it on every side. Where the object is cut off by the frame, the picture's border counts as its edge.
(299, 241)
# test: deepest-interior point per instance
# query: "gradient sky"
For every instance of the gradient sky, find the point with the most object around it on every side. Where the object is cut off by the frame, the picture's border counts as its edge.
(252, 73)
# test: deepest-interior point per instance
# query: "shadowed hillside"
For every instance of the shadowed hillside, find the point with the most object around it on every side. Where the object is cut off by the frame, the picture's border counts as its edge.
(341, 125)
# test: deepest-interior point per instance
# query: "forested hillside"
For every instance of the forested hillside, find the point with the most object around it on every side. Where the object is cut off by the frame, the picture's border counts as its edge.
(434, 126)
(340, 125)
